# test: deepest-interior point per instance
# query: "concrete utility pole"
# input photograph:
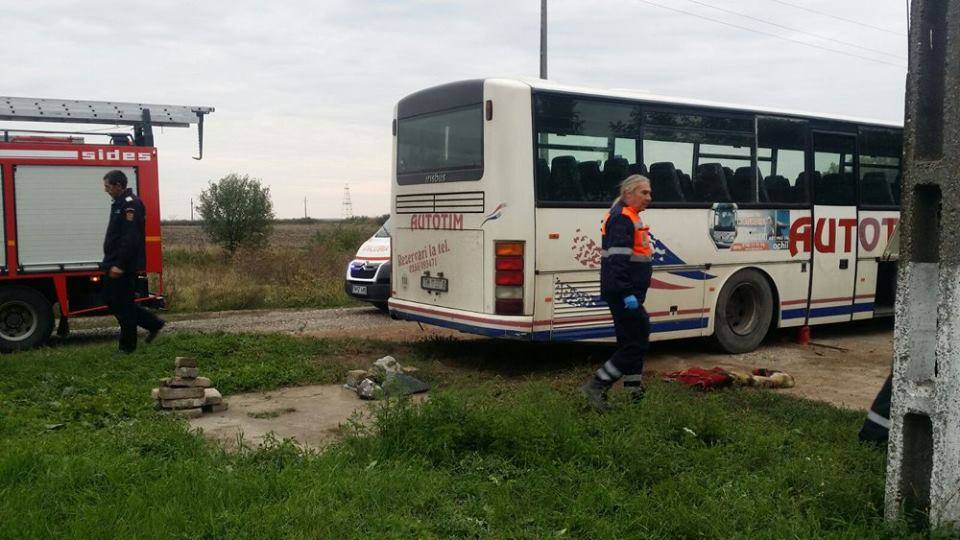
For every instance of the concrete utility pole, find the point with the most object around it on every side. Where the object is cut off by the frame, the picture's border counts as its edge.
(923, 460)
(543, 39)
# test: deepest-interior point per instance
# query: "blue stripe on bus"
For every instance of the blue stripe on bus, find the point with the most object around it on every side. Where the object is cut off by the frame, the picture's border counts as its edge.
(827, 311)
(596, 332)
(473, 329)
(694, 274)
(572, 334)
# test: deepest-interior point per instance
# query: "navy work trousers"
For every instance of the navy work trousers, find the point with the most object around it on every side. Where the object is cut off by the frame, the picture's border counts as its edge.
(118, 294)
(633, 335)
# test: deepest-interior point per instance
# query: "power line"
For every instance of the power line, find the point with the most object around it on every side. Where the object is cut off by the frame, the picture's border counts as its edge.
(768, 34)
(832, 16)
(771, 23)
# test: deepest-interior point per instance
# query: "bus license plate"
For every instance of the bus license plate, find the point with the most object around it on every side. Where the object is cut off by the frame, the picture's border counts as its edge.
(359, 289)
(431, 283)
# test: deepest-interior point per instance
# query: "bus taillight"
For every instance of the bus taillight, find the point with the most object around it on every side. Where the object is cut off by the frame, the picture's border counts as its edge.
(509, 278)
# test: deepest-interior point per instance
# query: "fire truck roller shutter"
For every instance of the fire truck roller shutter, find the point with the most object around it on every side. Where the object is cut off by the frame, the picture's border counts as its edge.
(62, 214)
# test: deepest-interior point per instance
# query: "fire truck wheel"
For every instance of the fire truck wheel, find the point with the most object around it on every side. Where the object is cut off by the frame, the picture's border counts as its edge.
(744, 312)
(26, 318)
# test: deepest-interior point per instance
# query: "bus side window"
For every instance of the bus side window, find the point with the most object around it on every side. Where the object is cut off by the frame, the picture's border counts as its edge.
(711, 146)
(780, 159)
(833, 160)
(880, 151)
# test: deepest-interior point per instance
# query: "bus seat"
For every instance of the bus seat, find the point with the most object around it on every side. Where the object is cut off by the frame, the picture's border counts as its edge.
(762, 194)
(565, 179)
(778, 189)
(874, 189)
(636, 168)
(590, 179)
(710, 183)
(543, 179)
(664, 182)
(728, 172)
(834, 188)
(801, 187)
(686, 186)
(614, 171)
(741, 184)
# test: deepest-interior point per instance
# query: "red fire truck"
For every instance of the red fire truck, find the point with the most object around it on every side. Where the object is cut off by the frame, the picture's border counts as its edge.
(55, 212)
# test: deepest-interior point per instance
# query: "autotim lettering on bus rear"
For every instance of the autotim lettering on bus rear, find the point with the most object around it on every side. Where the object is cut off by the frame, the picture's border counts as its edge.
(825, 238)
(437, 221)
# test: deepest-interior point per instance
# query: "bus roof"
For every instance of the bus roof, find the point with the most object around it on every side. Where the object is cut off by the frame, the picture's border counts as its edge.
(540, 84)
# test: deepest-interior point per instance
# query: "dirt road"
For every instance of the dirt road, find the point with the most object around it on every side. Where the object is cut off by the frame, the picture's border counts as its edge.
(845, 365)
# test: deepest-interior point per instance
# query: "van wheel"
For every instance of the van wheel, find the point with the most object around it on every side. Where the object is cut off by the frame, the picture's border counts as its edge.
(26, 318)
(744, 312)
(382, 306)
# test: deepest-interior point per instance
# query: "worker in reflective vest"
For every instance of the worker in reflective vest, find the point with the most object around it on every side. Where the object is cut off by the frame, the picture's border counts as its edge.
(625, 271)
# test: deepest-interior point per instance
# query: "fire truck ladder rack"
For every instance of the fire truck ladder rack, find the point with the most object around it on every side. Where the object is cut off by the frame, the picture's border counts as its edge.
(141, 116)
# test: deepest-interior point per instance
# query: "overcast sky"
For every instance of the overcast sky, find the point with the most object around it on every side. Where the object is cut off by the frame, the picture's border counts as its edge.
(304, 90)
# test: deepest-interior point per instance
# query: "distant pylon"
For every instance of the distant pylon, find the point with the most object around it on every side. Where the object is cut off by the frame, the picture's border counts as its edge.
(347, 205)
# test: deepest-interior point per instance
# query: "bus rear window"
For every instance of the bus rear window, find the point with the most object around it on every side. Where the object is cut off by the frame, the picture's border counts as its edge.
(445, 146)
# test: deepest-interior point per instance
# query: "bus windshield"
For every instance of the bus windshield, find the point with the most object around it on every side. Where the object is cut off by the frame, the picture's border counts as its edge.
(440, 147)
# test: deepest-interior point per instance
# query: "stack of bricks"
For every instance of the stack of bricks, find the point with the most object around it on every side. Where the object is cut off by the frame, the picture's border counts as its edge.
(186, 393)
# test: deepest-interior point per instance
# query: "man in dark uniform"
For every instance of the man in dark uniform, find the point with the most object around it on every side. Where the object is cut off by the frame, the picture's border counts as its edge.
(876, 428)
(124, 254)
(625, 272)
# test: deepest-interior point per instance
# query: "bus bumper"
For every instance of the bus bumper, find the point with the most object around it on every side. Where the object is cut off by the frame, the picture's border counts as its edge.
(498, 326)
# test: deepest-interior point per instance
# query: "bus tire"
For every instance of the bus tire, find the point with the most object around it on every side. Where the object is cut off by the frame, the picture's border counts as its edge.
(26, 318)
(744, 312)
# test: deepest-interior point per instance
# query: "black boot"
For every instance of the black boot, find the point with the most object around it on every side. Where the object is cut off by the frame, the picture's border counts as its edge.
(596, 393)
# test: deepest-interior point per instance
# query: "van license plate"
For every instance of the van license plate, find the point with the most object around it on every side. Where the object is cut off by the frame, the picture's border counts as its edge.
(431, 283)
(359, 289)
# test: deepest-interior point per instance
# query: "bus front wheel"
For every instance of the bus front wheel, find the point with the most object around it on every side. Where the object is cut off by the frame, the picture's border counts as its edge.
(26, 318)
(744, 312)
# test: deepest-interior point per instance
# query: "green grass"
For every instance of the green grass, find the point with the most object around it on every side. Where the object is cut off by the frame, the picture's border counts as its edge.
(301, 267)
(505, 451)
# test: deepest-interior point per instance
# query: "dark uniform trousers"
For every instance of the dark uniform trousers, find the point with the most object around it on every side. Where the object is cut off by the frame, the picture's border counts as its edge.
(124, 248)
(876, 428)
(633, 335)
(119, 293)
(625, 270)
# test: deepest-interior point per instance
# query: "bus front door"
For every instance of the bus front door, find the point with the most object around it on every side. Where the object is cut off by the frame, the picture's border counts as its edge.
(834, 228)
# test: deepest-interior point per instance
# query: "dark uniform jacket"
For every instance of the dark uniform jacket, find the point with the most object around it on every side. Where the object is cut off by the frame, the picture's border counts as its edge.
(124, 243)
(625, 264)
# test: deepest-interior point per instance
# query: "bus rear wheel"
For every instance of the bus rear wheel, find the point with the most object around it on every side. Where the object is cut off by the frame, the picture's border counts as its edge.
(26, 318)
(744, 312)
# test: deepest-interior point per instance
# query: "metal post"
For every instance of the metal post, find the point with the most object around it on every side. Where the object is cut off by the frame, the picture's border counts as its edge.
(543, 39)
(191, 209)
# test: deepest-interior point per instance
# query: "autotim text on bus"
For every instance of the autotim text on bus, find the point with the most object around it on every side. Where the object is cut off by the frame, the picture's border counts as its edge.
(825, 237)
(436, 221)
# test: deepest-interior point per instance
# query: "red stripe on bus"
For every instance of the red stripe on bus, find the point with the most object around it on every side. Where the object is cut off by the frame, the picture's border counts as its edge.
(825, 300)
(663, 285)
(697, 311)
(525, 325)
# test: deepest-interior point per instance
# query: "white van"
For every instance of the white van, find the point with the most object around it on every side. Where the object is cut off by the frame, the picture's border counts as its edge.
(368, 274)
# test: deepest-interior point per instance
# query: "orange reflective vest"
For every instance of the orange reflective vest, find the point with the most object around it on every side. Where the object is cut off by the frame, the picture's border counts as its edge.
(641, 251)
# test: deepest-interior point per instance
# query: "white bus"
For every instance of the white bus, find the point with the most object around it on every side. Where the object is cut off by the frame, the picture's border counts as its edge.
(760, 218)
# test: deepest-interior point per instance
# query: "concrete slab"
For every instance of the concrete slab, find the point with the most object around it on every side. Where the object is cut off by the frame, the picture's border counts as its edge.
(312, 415)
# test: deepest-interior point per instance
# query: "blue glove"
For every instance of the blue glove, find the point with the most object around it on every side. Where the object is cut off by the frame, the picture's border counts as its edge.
(631, 302)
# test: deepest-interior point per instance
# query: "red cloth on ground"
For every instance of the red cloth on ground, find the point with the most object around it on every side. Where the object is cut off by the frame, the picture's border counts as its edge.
(700, 378)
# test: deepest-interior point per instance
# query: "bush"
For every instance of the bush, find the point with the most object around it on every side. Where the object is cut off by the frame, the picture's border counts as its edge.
(237, 211)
